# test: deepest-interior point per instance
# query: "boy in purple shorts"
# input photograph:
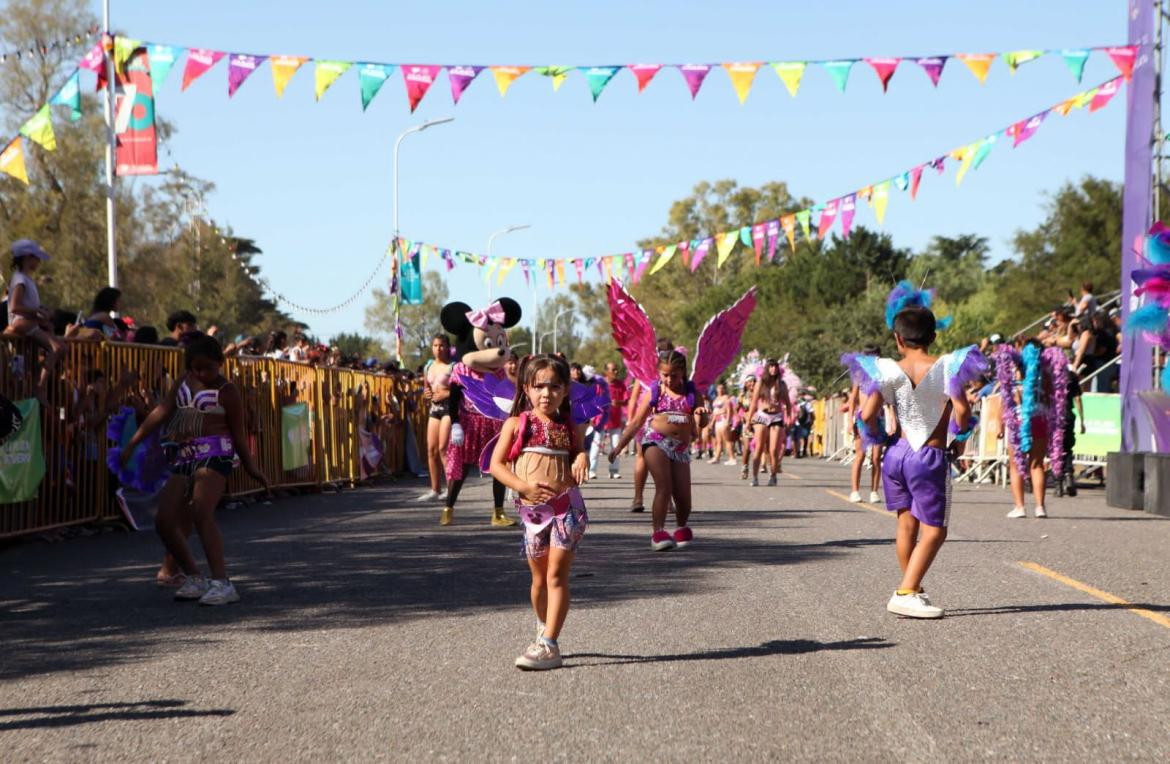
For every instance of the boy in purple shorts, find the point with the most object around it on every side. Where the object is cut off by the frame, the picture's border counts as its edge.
(928, 394)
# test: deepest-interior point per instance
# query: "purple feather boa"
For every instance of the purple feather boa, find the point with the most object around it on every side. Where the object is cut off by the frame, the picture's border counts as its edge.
(1007, 363)
(1057, 365)
(973, 367)
(146, 471)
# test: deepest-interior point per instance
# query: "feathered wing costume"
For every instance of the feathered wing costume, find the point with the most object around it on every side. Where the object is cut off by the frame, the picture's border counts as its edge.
(716, 348)
(146, 471)
(1042, 379)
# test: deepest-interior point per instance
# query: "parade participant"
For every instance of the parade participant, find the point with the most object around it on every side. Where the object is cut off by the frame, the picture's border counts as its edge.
(539, 455)
(927, 394)
(863, 446)
(677, 403)
(437, 394)
(204, 418)
(723, 412)
(746, 431)
(611, 425)
(481, 339)
(638, 394)
(770, 413)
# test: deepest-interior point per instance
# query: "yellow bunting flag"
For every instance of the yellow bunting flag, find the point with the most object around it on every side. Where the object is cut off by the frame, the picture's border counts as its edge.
(790, 72)
(558, 74)
(726, 243)
(12, 161)
(664, 256)
(965, 155)
(283, 68)
(327, 74)
(608, 262)
(1017, 57)
(978, 63)
(489, 270)
(741, 75)
(1081, 100)
(881, 197)
(123, 48)
(505, 269)
(1064, 107)
(506, 75)
(39, 130)
(561, 271)
(788, 223)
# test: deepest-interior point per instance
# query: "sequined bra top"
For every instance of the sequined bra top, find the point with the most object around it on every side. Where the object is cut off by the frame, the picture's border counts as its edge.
(537, 436)
(205, 401)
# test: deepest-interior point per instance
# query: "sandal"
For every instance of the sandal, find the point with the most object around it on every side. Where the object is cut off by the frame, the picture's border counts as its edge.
(637, 508)
(170, 582)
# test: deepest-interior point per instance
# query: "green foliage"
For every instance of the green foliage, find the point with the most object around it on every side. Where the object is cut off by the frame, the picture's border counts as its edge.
(356, 344)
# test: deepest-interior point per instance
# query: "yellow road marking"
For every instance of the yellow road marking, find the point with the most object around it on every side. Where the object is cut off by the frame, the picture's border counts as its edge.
(789, 474)
(860, 504)
(1093, 591)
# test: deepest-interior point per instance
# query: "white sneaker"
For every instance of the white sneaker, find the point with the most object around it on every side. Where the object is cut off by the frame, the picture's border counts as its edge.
(195, 588)
(1040, 512)
(755, 481)
(855, 497)
(615, 476)
(1017, 512)
(592, 475)
(913, 606)
(730, 463)
(875, 497)
(540, 657)
(429, 496)
(220, 593)
(772, 480)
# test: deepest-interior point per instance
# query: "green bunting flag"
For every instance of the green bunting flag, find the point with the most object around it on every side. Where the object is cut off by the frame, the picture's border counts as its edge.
(558, 74)
(327, 73)
(39, 129)
(70, 95)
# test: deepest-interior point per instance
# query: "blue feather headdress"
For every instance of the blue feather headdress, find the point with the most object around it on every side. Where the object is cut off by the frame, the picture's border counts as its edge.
(906, 295)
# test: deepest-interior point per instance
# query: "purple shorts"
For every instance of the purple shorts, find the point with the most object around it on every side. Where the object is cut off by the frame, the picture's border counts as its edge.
(560, 523)
(919, 481)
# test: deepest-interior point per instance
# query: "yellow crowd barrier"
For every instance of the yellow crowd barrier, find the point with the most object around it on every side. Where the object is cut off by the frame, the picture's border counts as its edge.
(348, 410)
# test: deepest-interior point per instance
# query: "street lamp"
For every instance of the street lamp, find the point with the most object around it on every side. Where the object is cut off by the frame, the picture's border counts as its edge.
(397, 254)
(492, 238)
(556, 318)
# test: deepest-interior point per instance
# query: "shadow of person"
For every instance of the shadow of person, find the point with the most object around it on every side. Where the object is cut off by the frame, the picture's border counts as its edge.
(46, 717)
(774, 647)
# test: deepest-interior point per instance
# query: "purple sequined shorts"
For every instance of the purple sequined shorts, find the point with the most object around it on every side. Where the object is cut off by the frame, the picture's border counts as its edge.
(559, 523)
(675, 449)
(919, 481)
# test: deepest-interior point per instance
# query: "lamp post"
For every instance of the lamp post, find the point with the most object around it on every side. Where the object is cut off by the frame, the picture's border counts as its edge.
(395, 249)
(492, 238)
(557, 318)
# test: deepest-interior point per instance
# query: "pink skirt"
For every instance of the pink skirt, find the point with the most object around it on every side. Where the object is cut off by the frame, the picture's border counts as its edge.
(478, 431)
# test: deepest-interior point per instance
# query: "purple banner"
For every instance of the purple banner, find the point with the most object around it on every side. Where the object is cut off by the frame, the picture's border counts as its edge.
(1137, 368)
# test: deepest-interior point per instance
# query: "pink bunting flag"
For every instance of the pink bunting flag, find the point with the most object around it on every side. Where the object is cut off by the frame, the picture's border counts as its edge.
(848, 207)
(1025, 128)
(933, 66)
(629, 260)
(579, 265)
(461, 77)
(828, 215)
(884, 68)
(240, 65)
(418, 79)
(1123, 58)
(701, 252)
(1104, 95)
(694, 74)
(199, 60)
(772, 231)
(759, 234)
(95, 60)
(915, 179)
(644, 73)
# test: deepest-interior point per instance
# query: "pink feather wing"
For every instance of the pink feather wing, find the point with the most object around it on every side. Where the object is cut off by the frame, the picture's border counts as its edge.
(633, 333)
(719, 342)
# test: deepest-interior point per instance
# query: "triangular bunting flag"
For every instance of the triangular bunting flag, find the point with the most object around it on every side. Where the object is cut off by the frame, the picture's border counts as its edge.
(1104, 95)
(933, 66)
(978, 63)
(598, 77)
(965, 155)
(199, 60)
(283, 68)
(881, 197)
(371, 78)
(1123, 58)
(984, 149)
(1025, 128)
(506, 75)
(884, 68)
(123, 48)
(558, 74)
(848, 208)
(70, 95)
(12, 161)
(745, 236)
(664, 258)
(561, 272)
(629, 259)
(162, 59)
(828, 215)
(460, 77)
(505, 269)
(1075, 60)
(489, 270)
(694, 74)
(579, 266)
(1014, 59)
(418, 79)
(741, 75)
(644, 73)
(39, 129)
(240, 65)
(1064, 107)
(915, 179)
(727, 242)
(95, 60)
(790, 72)
(326, 74)
(839, 71)
(902, 181)
(788, 223)
(759, 236)
(772, 234)
(643, 262)
(804, 217)
(701, 252)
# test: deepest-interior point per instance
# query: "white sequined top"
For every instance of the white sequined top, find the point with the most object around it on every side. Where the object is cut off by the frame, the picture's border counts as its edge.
(920, 408)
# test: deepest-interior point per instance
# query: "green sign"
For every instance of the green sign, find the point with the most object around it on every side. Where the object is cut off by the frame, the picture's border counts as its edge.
(1102, 425)
(22, 462)
(296, 440)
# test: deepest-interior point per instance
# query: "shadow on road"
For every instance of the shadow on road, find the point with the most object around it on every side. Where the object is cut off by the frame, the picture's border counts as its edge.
(1052, 608)
(774, 647)
(45, 717)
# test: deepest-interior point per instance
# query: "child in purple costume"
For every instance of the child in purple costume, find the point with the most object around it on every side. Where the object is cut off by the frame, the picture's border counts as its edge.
(927, 393)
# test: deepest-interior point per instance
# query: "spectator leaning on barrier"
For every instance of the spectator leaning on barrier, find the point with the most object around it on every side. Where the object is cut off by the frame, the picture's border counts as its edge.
(179, 323)
(26, 316)
(101, 322)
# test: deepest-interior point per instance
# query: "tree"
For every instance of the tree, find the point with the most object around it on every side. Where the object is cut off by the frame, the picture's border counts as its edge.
(420, 323)
(355, 344)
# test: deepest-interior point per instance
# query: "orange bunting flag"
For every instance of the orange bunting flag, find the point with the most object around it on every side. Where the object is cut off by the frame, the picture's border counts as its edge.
(978, 63)
(12, 161)
(741, 75)
(561, 271)
(791, 73)
(788, 223)
(506, 75)
(283, 68)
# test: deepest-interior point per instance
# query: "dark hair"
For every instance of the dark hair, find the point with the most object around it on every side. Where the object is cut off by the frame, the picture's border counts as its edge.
(18, 262)
(1087, 286)
(916, 327)
(442, 336)
(526, 376)
(146, 335)
(871, 349)
(673, 359)
(180, 317)
(199, 345)
(276, 338)
(106, 300)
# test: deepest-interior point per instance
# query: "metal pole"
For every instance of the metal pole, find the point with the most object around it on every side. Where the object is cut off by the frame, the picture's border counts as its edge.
(557, 318)
(491, 239)
(111, 144)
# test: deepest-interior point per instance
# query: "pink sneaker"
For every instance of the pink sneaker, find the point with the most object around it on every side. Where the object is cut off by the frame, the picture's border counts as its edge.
(661, 541)
(683, 537)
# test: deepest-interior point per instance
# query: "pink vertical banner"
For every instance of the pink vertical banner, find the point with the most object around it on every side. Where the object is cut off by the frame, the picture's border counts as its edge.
(848, 208)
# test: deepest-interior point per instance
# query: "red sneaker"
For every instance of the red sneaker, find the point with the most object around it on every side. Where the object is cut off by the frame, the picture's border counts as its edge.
(661, 541)
(683, 537)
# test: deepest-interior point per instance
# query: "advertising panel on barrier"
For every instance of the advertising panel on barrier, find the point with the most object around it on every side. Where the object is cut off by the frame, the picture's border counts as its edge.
(22, 462)
(296, 441)
(1102, 425)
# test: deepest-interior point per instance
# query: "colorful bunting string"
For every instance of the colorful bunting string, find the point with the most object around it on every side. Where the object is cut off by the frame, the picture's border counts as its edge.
(78, 38)
(815, 222)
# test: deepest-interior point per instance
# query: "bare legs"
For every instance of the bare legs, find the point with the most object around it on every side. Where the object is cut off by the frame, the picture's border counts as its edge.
(176, 514)
(550, 589)
(640, 474)
(769, 441)
(438, 430)
(917, 545)
(1035, 469)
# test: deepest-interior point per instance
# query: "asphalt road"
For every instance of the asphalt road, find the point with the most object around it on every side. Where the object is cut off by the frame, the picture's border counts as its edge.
(368, 632)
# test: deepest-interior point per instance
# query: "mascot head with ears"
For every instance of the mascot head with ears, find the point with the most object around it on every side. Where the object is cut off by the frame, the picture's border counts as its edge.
(481, 336)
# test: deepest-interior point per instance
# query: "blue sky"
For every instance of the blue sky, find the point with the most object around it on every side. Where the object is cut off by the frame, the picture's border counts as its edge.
(311, 182)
